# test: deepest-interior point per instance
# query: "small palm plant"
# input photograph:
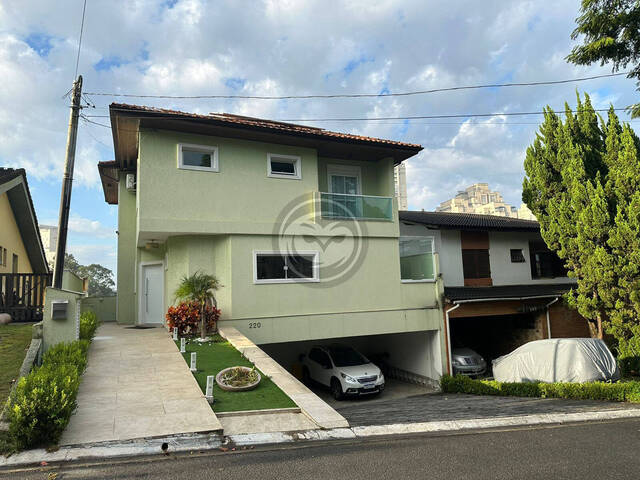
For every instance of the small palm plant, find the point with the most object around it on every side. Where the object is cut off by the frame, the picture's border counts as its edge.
(198, 287)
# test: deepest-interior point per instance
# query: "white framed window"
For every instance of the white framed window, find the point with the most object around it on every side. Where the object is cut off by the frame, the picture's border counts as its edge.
(282, 267)
(417, 259)
(197, 157)
(283, 166)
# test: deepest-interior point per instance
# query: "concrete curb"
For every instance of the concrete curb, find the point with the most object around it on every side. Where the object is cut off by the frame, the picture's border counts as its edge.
(201, 442)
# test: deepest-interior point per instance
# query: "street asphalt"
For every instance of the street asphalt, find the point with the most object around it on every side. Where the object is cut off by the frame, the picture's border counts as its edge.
(585, 451)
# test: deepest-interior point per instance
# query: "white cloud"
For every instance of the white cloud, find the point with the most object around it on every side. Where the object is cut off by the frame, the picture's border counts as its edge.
(282, 47)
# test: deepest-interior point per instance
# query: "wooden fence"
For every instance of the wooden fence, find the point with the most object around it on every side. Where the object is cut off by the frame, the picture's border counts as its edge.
(22, 295)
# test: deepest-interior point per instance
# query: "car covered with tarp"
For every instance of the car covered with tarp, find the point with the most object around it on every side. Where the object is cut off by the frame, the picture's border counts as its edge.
(558, 360)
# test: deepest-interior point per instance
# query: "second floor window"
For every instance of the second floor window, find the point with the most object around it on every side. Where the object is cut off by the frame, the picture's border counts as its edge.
(475, 263)
(283, 166)
(544, 262)
(197, 157)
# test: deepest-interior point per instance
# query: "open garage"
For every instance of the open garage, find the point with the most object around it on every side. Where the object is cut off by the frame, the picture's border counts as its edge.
(494, 321)
(411, 362)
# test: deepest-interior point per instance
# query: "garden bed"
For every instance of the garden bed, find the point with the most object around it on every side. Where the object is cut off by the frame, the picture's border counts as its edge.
(215, 356)
(14, 342)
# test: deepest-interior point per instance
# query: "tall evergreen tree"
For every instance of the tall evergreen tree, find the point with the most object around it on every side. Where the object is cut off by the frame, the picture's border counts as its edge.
(583, 184)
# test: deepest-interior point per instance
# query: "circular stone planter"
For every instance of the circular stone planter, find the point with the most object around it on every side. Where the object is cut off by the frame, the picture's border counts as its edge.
(231, 388)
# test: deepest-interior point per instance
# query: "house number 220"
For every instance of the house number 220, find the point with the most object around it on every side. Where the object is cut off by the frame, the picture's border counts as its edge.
(255, 325)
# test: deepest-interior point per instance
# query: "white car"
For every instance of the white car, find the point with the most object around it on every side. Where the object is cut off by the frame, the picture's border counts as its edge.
(343, 369)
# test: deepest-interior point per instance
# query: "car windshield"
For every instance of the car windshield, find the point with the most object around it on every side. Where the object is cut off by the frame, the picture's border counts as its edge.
(346, 357)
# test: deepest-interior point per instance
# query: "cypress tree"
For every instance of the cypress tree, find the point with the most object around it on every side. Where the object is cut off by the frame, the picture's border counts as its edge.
(582, 181)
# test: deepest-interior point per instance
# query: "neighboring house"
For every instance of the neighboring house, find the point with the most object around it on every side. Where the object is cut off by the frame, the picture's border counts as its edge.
(478, 198)
(502, 285)
(24, 272)
(299, 224)
(49, 235)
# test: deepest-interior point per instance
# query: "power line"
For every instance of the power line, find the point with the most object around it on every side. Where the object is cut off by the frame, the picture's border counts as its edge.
(84, 8)
(360, 95)
(376, 119)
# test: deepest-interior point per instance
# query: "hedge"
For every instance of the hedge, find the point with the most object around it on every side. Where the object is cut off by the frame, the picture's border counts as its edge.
(613, 392)
(42, 403)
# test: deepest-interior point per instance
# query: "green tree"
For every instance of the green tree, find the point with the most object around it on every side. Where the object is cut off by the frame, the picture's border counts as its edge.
(199, 287)
(583, 184)
(611, 31)
(101, 282)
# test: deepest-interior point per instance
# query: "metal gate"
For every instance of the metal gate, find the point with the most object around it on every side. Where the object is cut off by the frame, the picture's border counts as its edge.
(22, 295)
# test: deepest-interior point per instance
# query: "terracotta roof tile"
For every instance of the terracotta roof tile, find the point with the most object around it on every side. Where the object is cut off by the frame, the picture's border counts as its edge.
(260, 123)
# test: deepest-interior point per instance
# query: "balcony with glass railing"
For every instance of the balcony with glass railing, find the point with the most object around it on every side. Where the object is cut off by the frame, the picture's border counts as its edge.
(356, 207)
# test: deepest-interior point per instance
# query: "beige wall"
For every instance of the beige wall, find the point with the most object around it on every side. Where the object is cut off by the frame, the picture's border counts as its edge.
(11, 240)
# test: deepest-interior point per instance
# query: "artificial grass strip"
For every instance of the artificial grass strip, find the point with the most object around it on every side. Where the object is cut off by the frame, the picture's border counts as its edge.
(213, 357)
(14, 342)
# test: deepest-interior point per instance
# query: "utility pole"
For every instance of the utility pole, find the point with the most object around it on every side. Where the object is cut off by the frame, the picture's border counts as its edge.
(67, 181)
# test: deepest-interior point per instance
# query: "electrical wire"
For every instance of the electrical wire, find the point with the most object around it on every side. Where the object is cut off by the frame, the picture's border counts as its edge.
(360, 95)
(84, 8)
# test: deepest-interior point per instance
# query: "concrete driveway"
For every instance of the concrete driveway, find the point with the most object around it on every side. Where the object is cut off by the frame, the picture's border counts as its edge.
(442, 407)
(137, 385)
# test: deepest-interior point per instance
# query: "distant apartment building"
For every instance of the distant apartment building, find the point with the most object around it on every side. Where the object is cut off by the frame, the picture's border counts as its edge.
(49, 236)
(479, 199)
(400, 182)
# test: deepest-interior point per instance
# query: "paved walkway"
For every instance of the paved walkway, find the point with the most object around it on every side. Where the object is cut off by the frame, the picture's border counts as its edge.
(454, 407)
(137, 385)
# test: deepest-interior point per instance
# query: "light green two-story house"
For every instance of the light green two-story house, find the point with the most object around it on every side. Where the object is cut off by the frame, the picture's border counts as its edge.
(299, 224)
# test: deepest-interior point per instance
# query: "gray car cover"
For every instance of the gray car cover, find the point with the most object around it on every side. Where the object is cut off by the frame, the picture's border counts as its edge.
(558, 360)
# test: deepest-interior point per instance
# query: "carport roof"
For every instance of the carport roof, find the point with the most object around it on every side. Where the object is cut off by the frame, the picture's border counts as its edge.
(458, 294)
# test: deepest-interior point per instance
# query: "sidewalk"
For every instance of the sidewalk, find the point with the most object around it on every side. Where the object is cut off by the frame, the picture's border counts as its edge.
(137, 385)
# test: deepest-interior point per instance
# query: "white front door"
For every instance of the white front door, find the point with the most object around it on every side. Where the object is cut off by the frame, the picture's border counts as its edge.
(151, 287)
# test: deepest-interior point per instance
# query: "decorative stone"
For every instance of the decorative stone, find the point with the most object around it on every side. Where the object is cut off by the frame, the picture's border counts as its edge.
(5, 319)
(183, 345)
(231, 388)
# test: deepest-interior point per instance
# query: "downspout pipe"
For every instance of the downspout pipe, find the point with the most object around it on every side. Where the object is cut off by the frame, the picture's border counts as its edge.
(446, 314)
(548, 320)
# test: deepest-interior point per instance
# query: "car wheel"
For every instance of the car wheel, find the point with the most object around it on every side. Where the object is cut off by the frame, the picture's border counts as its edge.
(306, 377)
(336, 389)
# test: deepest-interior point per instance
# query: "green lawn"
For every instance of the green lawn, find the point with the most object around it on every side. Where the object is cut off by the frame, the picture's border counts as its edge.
(14, 342)
(213, 357)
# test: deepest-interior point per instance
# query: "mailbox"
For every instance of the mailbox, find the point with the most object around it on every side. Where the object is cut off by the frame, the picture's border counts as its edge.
(59, 309)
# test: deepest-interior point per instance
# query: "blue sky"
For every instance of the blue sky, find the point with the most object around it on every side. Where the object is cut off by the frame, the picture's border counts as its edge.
(271, 47)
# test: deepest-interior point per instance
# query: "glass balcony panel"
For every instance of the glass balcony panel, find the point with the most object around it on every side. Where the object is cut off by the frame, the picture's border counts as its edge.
(357, 207)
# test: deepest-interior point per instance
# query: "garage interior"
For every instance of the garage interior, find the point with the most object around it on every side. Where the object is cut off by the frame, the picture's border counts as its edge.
(490, 322)
(413, 357)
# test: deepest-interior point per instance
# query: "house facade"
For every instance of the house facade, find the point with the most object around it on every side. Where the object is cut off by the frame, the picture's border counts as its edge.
(502, 286)
(299, 224)
(23, 266)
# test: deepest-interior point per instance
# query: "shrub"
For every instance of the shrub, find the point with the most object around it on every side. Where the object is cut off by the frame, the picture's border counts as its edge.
(186, 317)
(42, 402)
(74, 354)
(41, 405)
(613, 392)
(89, 323)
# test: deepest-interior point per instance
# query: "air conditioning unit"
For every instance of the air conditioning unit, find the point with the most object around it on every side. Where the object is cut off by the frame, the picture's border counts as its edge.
(130, 182)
